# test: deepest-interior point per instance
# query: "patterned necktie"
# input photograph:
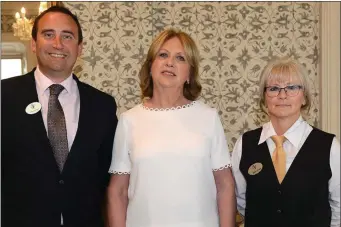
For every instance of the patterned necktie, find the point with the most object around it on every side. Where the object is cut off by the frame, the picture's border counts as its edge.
(279, 157)
(56, 127)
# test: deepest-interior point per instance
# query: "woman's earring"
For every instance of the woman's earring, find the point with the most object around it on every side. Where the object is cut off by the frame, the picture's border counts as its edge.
(187, 81)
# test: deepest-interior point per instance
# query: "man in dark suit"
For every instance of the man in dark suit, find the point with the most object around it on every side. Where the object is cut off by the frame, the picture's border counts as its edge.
(56, 135)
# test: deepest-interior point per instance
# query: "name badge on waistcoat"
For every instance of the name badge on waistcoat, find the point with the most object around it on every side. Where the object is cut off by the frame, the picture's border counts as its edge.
(255, 168)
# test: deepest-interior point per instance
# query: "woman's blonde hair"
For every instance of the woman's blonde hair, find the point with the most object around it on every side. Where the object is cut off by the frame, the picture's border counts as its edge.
(192, 89)
(281, 68)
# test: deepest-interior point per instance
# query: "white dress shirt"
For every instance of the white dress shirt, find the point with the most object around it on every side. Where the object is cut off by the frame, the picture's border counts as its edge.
(296, 136)
(69, 100)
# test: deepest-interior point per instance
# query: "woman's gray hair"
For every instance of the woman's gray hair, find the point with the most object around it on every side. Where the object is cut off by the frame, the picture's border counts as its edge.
(279, 69)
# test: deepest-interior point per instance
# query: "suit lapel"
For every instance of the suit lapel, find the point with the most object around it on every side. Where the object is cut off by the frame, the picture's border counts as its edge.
(35, 121)
(33, 124)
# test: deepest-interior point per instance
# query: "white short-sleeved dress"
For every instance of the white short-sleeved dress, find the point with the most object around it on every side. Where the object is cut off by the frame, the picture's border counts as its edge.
(170, 155)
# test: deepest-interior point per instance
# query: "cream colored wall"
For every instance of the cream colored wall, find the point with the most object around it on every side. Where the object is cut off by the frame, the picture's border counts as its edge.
(330, 67)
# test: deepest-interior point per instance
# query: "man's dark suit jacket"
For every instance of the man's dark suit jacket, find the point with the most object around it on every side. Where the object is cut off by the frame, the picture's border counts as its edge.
(33, 191)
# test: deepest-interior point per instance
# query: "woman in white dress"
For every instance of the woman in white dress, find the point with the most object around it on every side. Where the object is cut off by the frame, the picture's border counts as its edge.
(171, 165)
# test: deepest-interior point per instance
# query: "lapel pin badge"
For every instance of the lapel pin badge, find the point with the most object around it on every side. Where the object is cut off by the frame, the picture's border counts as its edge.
(33, 108)
(255, 168)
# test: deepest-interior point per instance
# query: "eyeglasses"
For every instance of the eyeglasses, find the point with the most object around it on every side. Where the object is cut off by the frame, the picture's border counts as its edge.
(290, 90)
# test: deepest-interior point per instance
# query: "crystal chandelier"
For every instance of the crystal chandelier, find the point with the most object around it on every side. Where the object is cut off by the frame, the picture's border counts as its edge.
(22, 27)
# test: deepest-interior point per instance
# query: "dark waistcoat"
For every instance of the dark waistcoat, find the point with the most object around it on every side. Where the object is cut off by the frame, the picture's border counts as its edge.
(302, 197)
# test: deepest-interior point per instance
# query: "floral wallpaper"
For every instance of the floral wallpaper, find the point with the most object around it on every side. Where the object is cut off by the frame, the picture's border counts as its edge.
(235, 39)
(6, 23)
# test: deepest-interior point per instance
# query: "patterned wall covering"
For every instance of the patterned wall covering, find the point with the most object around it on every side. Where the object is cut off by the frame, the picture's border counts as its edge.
(235, 39)
(6, 23)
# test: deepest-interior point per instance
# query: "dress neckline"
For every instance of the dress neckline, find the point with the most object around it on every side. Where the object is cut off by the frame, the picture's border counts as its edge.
(169, 109)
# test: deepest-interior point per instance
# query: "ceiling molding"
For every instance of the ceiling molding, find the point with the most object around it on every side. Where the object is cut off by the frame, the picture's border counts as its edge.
(12, 48)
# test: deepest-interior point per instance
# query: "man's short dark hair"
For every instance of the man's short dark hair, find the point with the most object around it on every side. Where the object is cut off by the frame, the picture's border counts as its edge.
(57, 9)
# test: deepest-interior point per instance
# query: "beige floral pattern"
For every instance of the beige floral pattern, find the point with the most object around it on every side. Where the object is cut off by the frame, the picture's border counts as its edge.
(6, 23)
(236, 39)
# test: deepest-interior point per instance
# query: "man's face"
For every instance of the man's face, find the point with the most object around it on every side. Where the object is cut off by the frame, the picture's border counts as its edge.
(57, 45)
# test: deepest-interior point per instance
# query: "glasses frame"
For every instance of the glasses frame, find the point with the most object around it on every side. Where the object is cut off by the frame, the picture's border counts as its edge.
(300, 87)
